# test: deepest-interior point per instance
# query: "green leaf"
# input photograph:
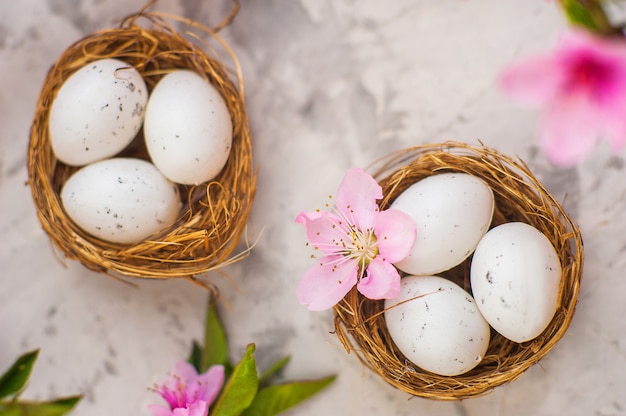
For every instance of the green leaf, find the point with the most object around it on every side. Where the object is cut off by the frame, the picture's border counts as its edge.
(275, 399)
(589, 14)
(215, 349)
(56, 407)
(6, 409)
(267, 375)
(14, 379)
(240, 388)
(195, 356)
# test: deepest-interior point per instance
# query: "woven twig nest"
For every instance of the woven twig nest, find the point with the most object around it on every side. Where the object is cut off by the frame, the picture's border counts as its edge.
(214, 213)
(360, 323)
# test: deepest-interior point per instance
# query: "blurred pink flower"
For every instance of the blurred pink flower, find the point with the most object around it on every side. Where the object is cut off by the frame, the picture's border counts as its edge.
(188, 393)
(359, 244)
(581, 88)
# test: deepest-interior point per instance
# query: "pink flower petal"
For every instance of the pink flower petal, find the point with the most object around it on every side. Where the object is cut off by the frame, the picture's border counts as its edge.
(356, 198)
(183, 371)
(611, 120)
(159, 410)
(199, 408)
(533, 81)
(210, 383)
(576, 41)
(325, 231)
(382, 281)
(569, 130)
(395, 233)
(615, 131)
(327, 282)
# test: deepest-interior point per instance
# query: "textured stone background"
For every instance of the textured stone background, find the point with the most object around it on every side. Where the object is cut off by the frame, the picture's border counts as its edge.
(329, 85)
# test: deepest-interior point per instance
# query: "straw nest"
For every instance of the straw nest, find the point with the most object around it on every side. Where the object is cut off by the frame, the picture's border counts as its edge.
(519, 196)
(214, 214)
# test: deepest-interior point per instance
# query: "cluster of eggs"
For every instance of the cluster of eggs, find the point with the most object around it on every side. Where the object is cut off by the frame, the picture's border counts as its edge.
(99, 110)
(515, 277)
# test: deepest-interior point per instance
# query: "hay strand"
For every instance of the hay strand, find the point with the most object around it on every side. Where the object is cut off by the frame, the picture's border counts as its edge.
(519, 196)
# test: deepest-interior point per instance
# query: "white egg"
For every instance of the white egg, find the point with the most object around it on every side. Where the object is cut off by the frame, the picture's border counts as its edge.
(515, 277)
(97, 112)
(452, 212)
(440, 328)
(188, 128)
(121, 200)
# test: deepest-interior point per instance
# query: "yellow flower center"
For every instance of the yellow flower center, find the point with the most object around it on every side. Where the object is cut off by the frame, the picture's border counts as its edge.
(364, 248)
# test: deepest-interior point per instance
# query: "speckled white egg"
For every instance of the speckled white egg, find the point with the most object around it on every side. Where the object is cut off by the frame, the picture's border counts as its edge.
(515, 277)
(121, 200)
(452, 212)
(188, 128)
(440, 328)
(97, 112)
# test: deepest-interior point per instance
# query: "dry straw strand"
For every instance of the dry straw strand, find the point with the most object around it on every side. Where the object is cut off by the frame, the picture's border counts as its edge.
(214, 214)
(519, 196)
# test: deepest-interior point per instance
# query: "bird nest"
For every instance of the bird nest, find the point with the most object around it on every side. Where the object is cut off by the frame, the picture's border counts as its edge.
(214, 214)
(519, 196)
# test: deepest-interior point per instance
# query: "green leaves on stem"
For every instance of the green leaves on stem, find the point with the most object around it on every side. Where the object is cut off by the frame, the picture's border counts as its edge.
(13, 382)
(215, 343)
(240, 388)
(215, 349)
(245, 392)
(275, 399)
(588, 14)
(56, 407)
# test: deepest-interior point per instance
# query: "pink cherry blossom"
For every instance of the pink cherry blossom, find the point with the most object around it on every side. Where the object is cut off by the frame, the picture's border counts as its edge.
(581, 88)
(359, 244)
(188, 393)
